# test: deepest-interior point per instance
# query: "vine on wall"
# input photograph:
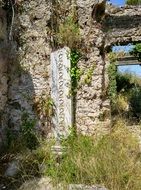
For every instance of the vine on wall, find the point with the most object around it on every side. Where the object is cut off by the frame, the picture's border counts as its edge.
(75, 71)
(112, 72)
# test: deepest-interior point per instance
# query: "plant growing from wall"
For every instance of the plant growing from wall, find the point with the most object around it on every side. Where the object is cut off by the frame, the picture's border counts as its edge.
(64, 24)
(69, 33)
(44, 107)
(112, 72)
(28, 134)
(75, 71)
(89, 74)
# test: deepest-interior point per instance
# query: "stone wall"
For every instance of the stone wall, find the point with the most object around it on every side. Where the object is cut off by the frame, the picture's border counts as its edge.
(25, 86)
(92, 107)
(29, 71)
(117, 26)
(123, 25)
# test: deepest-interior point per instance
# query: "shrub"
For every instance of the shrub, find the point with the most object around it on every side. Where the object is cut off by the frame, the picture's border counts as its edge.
(122, 103)
(137, 50)
(129, 95)
(125, 82)
(135, 102)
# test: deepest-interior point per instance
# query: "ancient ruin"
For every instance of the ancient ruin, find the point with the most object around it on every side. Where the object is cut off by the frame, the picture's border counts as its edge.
(25, 64)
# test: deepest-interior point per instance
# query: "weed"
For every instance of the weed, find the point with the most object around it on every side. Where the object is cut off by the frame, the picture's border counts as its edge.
(69, 34)
(113, 160)
(28, 134)
(112, 90)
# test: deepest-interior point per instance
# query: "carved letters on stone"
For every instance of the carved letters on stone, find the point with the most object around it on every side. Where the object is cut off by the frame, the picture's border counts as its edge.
(60, 89)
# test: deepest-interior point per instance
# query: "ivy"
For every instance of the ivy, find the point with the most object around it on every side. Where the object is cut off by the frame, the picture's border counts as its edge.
(75, 71)
(112, 72)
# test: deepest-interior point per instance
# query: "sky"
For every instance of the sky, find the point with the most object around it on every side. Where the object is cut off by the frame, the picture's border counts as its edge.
(135, 69)
(118, 2)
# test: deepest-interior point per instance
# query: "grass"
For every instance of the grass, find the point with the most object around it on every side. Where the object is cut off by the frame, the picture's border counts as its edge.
(113, 161)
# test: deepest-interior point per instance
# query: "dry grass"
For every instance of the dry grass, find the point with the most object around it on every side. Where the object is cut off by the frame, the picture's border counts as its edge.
(113, 161)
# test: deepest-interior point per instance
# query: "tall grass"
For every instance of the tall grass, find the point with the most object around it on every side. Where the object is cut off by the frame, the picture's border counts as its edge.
(113, 161)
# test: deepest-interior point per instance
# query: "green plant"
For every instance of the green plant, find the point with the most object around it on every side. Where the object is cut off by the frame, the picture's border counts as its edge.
(69, 33)
(125, 82)
(28, 134)
(113, 161)
(135, 103)
(112, 72)
(128, 96)
(137, 51)
(33, 163)
(44, 105)
(133, 2)
(89, 74)
(75, 72)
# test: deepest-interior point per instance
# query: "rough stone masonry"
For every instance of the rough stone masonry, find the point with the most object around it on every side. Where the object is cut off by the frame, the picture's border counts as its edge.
(25, 85)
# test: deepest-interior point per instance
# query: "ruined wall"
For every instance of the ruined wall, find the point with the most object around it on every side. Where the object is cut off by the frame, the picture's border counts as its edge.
(25, 85)
(123, 25)
(117, 26)
(92, 107)
(29, 72)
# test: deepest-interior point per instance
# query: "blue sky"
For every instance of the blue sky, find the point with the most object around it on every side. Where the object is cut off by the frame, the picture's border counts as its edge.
(135, 69)
(118, 2)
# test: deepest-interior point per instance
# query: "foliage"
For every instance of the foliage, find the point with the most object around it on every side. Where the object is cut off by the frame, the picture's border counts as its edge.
(133, 2)
(112, 90)
(125, 82)
(135, 102)
(44, 105)
(75, 71)
(89, 74)
(25, 138)
(69, 33)
(122, 103)
(128, 97)
(113, 161)
(137, 51)
(32, 164)
(28, 134)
